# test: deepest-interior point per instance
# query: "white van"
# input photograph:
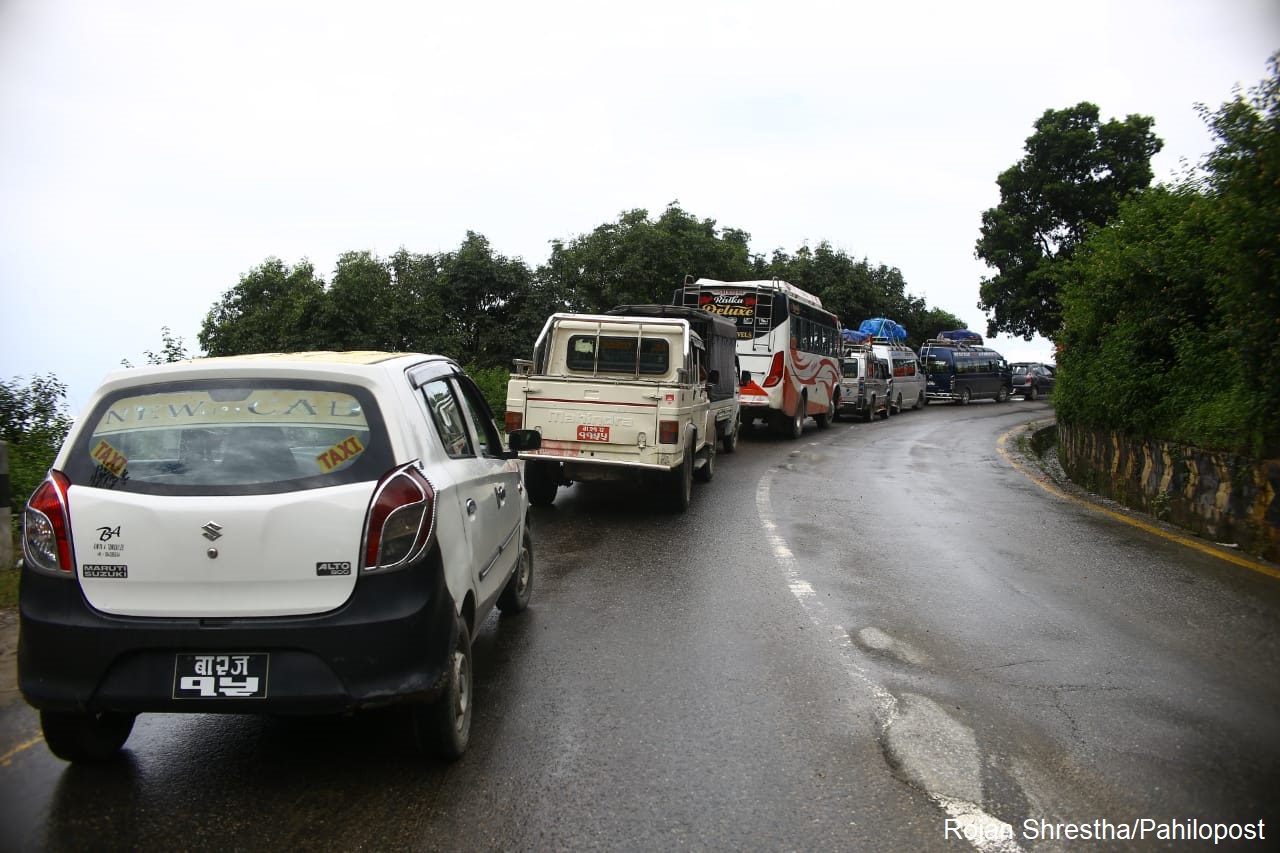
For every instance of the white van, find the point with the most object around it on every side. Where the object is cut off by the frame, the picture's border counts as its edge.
(908, 377)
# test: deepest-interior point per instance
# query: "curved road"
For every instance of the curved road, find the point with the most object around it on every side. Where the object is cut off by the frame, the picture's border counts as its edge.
(881, 636)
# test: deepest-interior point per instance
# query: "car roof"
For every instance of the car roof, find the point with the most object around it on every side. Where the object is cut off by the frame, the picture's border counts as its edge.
(318, 363)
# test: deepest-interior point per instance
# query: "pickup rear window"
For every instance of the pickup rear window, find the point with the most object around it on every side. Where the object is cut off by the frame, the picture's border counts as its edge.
(616, 354)
(211, 437)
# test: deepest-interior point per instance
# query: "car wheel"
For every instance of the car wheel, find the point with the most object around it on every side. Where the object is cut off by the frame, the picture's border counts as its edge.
(515, 595)
(539, 479)
(85, 738)
(730, 441)
(869, 413)
(708, 468)
(824, 420)
(1031, 392)
(920, 402)
(965, 396)
(680, 484)
(1002, 396)
(443, 728)
(884, 415)
(897, 407)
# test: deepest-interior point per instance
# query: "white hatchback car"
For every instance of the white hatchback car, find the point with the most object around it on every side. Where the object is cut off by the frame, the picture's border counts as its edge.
(287, 534)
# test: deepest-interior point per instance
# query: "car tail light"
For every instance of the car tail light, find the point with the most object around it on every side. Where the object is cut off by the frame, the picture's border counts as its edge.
(668, 432)
(400, 521)
(514, 421)
(775, 371)
(46, 527)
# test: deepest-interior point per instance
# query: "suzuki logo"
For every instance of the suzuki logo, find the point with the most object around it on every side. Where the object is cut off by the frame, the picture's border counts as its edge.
(212, 531)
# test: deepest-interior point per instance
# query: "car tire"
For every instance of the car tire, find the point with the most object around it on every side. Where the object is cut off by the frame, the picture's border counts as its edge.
(515, 595)
(965, 396)
(888, 409)
(897, 407)
(1031, 393)
(730, 441)
(539, 479)
(442, 729)
(920, 402)
(707, 470)
(869, 413)
(680, 484)
(83, 737)
(1002, 396)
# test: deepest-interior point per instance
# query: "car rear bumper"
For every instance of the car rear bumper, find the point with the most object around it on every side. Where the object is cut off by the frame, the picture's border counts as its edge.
(389, 642)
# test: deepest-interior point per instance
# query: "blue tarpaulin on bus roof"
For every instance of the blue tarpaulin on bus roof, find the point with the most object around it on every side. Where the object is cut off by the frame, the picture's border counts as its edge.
(879, 327)
(961, 336)
(854, 336)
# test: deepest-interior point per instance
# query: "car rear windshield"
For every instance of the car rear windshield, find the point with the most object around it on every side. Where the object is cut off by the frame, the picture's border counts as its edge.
(217, 437)
(851, 370)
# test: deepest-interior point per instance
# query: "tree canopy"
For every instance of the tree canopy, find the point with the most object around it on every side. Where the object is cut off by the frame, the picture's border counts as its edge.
(484, 309)
(1171, 313)
(1075, 173)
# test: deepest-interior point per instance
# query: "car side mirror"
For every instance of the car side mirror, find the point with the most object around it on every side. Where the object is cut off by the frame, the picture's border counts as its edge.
(524, 439)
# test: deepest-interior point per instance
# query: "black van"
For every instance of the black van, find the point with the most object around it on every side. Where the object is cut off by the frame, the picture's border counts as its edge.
(960, 372)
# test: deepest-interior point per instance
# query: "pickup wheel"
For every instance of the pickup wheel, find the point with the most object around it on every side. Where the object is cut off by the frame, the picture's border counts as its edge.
(730, 441)
(515, 595)
(539, 479)
(85, 737)
(680, 484)
(707, 470)
(1031, 392)
(443, 728)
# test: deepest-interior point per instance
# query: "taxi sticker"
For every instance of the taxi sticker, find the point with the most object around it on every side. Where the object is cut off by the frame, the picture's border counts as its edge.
(346, 449)
(108, 457)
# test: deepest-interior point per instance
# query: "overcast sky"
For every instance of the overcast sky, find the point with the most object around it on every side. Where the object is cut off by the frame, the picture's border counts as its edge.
(151, 153)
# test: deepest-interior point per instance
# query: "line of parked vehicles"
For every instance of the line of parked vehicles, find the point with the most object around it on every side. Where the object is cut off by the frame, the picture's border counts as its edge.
(321, 533)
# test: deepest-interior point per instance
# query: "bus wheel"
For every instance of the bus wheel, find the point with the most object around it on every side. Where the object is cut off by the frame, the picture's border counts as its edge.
(824, 420)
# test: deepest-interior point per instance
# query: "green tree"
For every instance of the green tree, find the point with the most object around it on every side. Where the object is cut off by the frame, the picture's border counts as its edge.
(1073, 177)
(33, 422)
(272, 309)
(172, 349)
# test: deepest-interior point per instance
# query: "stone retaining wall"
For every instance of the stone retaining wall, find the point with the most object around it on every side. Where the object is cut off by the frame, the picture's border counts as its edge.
(1222, 497)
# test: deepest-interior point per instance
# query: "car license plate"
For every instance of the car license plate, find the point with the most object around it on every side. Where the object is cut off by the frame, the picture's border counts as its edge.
(589, 432)
(229, 675)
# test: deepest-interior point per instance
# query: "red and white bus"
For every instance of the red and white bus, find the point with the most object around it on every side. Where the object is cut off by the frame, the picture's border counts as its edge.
(788, 349)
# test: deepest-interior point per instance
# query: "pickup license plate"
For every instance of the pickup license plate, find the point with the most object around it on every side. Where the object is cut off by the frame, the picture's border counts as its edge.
(590, 432)
(226, 675)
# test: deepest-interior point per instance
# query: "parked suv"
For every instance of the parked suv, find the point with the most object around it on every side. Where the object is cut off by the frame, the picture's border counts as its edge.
(1032, 380)
(284, 534)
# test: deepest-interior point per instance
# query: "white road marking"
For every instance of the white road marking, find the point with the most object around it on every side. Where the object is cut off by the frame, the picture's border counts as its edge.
(888, 711)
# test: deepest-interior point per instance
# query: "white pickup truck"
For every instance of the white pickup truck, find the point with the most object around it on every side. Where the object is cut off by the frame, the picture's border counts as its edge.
(616, 397)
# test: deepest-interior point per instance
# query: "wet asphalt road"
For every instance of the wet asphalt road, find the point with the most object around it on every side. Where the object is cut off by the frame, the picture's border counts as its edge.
(849, 642)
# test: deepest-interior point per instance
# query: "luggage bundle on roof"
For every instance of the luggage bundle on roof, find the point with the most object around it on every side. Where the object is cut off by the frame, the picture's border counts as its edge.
(961, 336)
(881, 328)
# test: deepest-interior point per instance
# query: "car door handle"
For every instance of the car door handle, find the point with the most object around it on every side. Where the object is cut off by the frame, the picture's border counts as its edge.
(471, 506)
(501, 491)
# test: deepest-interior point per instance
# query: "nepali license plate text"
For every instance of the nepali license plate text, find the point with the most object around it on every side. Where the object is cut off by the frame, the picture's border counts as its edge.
(590, 432)
(233, 675)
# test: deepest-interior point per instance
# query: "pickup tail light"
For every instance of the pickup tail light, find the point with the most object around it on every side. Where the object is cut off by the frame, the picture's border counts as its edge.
(668, 432)
(513, 421)
(775, 371)
(46, 527)
(401, 520)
